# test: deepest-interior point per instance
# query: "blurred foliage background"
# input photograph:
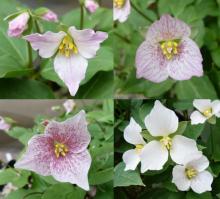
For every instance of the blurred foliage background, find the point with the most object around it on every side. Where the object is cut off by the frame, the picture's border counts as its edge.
(157, 184)
(203, 16)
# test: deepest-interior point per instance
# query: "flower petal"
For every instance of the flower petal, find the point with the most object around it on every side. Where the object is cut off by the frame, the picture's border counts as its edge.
(121, 14)
(73, 168)
(197, 118)
(131, 159)
(180, 179)
(132, 133)
(167, 28)
(202, 104)
(73, 132)
(39, 154)
(87, 41)
(150, 63)
(182, 149)
(200, 163)
(187, 63)
(71, 70)
(153, 156)
(47, 44)
(161, 121)
(216, 107)
(202, 182)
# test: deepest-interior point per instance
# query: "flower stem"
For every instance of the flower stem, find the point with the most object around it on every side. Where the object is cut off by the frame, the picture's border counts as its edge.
(140, 12)
(30, 55)
(37, 26)
(81, 15)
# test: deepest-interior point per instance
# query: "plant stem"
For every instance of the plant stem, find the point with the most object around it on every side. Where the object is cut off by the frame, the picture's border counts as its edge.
(37, 26)
(30, 55)
(122, 38)
(140, 12)
(81, 16)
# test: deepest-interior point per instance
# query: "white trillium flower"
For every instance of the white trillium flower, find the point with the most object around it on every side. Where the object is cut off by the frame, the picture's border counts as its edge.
(206, 110)
(69, 105)
(71, 49)
(192, 174)
(132, 134)
(121, 10)
(161, 124)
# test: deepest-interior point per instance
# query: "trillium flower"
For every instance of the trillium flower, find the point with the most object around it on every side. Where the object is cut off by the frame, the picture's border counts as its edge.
(91, 5)
(60, 152)
(50, 16)
(4, 125)
(121, 10)
(192, 174)
(69, 105)
(162, 123)
(71, 50)
(132, 134)
(206, 110)
(168, 52)
(18, 25)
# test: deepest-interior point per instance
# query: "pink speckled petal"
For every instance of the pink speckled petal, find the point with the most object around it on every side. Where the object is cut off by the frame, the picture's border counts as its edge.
(38, 156)
(87, 41)
(73, 168)
(121, 14)
(73, 132)
(167, 28)
(150, 63)
(188, 63)
(47, 44)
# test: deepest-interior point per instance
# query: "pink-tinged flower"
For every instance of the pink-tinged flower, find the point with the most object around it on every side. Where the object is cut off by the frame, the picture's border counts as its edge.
(121, 10)
(91, 5)
(50, 16)
(18, 25)
(4, 125)
(69, 105)
(71, 50)
(168, 52)
(61, 152)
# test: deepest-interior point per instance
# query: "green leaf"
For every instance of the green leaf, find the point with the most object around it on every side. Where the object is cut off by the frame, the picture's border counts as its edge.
(181, 128)
(101, 176)
(195, 88)
(193, 131)
(192, 195)
(126, 178)
(24, 89)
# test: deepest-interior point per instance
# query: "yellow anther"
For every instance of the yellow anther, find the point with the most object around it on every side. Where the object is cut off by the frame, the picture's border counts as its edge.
(67, 47)
(207, 112)
(139, 147)
(119, 3)
(190, 173)
(166, 142)
(169, 48)
(60, 149)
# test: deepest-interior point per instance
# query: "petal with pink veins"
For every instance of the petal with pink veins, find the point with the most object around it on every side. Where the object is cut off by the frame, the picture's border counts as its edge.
(46, 43)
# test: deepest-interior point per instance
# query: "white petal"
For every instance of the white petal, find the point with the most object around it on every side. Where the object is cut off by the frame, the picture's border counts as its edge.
(182, 149)
(121, 14)
(161, 121)
(216, 107)
(197, 118)
(71, 70)
(47, 44)
(180, 179)
(87, 41)
(200, 163)
(202, 104)
(132, 133)
(153, 156)
(131, 159)
(202, 182)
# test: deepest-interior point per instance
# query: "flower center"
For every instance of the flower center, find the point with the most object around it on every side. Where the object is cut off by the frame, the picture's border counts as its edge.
(169, 48)
(67, 46)
(119, 3)
(138, 148)
(207, 112)
(60, 149)
(190, 173)
(166, 142)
